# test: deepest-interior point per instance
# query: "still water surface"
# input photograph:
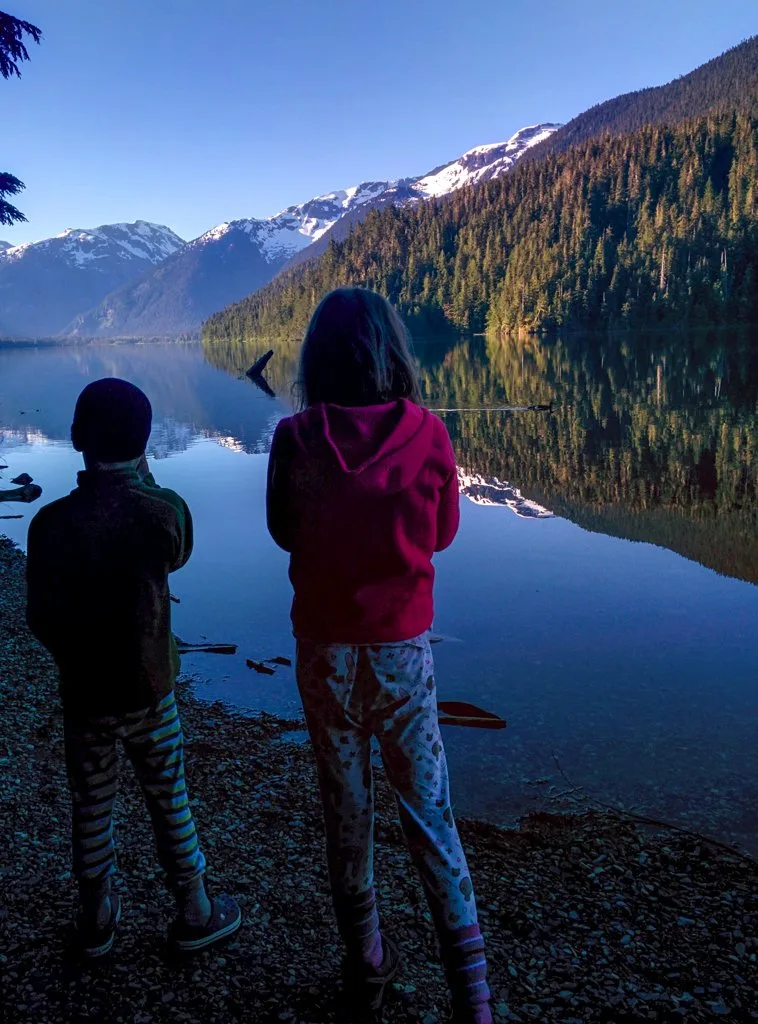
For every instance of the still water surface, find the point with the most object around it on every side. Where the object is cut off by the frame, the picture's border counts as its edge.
(602, 590)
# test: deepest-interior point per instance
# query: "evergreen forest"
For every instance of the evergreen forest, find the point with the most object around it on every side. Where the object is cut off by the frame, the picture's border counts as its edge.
(726, 84)
(657, 228)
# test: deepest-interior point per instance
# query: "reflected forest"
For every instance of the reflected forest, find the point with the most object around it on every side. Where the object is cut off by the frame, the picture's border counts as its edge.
(650, 438)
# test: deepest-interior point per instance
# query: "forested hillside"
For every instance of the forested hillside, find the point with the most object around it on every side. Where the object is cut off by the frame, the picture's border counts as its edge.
(723, 85)
(657, 227)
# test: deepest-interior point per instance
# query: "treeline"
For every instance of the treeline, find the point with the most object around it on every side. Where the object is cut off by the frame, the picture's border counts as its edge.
(658, 227)
(725, 84)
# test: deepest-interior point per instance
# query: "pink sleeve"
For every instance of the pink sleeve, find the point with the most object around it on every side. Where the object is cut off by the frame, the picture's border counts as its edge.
(448, 511)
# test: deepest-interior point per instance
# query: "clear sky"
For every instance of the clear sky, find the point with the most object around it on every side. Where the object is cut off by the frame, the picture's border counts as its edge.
(190, 113)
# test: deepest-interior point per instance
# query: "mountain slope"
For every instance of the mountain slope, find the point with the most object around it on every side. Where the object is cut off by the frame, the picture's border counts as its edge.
(725, 84)
(238, 257)
(483, 163)
(44, 284)
(5, 245)
(660, 226)
(609, 230)
(221, 266)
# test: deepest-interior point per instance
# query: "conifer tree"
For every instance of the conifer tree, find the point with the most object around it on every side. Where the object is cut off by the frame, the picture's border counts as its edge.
(13, 52)
(652, 229)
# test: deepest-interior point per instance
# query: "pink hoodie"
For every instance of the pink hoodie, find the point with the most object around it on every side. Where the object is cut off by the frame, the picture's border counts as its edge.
(362, 498)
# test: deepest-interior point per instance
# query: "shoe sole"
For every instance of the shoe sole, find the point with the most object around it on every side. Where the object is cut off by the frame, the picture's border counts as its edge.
(193, 945)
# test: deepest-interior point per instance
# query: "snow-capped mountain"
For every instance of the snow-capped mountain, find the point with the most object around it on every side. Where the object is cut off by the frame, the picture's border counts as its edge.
(491, 491)
(483, 163)
(235, 258)
(44, 284)
(298, 226)
(80, 246)
(6, 245)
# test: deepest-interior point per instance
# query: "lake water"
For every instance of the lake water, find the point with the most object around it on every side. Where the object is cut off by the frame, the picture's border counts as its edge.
(602, 590)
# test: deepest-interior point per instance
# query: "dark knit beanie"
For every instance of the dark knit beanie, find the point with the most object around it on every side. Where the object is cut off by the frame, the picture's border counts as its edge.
(112, 421)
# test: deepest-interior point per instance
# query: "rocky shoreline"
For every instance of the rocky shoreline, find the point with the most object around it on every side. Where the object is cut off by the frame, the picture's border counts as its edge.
(587, 918)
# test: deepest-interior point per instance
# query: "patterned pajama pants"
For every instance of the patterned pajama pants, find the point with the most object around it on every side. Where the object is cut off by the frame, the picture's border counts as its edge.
(153, 742)
(349, 694)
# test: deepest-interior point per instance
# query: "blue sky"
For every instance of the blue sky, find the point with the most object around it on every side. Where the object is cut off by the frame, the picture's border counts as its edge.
(190, 113)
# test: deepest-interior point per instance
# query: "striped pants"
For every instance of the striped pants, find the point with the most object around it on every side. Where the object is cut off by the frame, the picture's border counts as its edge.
(153, 742)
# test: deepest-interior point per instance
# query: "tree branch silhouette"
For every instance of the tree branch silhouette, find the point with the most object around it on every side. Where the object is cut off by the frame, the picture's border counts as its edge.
(13, 53)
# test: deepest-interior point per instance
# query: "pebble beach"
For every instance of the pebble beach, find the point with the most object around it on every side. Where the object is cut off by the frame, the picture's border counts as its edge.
(587, 917)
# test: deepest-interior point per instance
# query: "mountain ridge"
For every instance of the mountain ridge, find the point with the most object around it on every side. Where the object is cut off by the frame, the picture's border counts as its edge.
(628, 229)
(233, 259)
(631, 231)
(726, 83)
(43, 284)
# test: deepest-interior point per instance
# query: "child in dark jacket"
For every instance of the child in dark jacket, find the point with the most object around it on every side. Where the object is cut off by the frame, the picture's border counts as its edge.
(98, 600)
(362, 491)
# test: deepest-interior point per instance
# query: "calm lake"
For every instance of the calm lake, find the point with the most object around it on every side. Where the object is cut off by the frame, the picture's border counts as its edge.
(601, 594)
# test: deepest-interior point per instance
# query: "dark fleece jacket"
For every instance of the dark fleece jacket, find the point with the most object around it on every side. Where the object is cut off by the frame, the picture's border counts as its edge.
(98, 595)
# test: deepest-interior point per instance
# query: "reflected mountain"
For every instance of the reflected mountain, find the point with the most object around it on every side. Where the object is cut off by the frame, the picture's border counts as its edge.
(651, 438)
(491, 491)
(191, 399)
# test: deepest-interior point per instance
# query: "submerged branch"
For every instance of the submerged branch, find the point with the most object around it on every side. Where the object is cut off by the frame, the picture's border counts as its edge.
(500, 408)
(644, 819)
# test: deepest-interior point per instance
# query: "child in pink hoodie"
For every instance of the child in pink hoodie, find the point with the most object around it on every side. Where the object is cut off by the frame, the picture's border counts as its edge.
(362, 491)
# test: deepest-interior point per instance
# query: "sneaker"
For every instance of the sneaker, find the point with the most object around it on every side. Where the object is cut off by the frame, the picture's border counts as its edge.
(92, 941)
(365, 988)
(225, 919)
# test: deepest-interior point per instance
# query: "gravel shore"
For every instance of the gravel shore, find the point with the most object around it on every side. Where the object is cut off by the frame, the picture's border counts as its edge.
(587, 918)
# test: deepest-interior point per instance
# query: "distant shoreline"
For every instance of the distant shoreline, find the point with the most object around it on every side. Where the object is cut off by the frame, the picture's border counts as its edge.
(83, 342)
(551, 334)
(618, 331)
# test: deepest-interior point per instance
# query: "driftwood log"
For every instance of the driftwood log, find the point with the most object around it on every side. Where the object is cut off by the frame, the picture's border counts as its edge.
(27, 493)
(185, 648)
(256, 370)
(255, 374)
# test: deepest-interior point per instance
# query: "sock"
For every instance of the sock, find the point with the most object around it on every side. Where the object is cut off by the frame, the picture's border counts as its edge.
(96, 902)
(466, 970)
(192, 903)
(358, 922)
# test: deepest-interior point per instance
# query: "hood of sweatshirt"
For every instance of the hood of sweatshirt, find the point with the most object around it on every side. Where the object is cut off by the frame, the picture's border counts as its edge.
(381, 447)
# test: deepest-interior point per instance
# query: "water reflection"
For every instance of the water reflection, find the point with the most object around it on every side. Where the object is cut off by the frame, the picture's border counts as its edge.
(650, 438)
(191, 400)
(634, 665)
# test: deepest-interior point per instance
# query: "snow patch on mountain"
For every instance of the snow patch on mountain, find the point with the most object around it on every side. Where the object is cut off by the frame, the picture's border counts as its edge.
(236, 257)
(482, 163)
(80, 247)
(296, 227)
